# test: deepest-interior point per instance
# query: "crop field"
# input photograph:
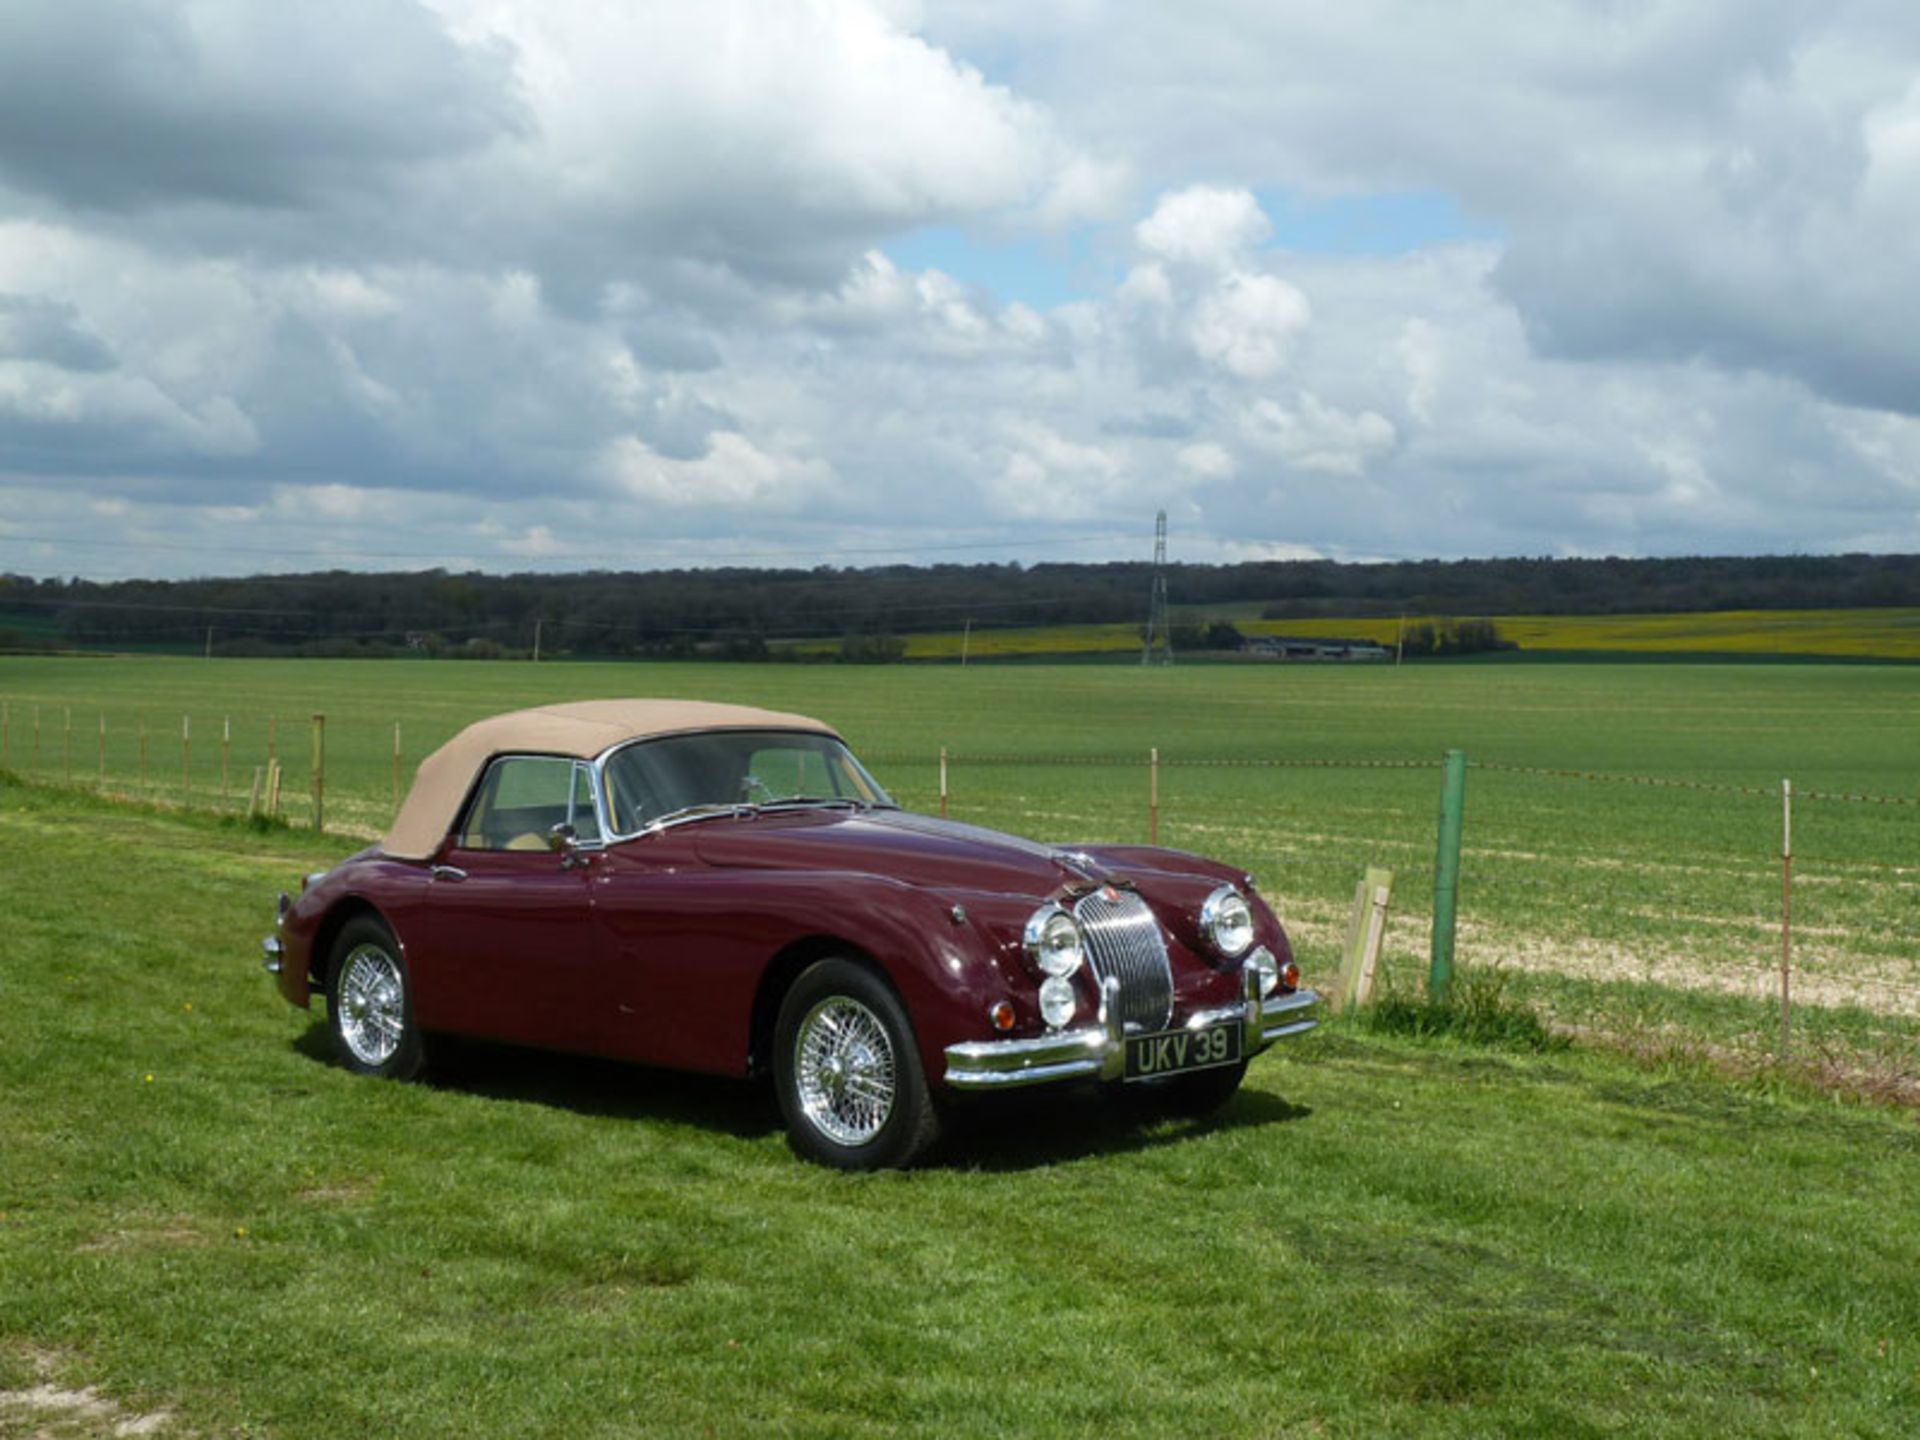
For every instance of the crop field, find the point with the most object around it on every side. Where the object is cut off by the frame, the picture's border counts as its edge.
(1623, 823)
(1881, 634)
(205, 1228)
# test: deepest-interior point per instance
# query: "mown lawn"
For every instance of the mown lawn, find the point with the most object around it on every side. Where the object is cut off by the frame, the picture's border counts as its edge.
(199, 1214)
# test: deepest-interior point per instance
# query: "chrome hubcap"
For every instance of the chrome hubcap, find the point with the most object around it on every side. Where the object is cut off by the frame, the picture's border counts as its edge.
(844, 1070)
(373, 1004)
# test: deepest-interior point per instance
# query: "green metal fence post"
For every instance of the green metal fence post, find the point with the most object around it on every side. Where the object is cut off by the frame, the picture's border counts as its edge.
(1446, 875)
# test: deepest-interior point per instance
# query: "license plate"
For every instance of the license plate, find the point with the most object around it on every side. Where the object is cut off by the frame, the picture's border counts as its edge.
(1173, 1051)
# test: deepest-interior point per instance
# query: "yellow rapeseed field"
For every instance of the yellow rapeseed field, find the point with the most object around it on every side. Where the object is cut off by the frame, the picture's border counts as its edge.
(1886, 634)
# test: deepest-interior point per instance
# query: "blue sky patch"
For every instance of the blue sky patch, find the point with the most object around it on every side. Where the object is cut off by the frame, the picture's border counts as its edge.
(1376, 224)
(1048, 270)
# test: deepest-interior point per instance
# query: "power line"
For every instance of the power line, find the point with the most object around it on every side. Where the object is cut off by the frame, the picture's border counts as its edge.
(690, 560)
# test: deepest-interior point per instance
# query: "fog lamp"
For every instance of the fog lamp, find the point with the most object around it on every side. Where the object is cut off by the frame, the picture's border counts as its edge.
(1056, 1000)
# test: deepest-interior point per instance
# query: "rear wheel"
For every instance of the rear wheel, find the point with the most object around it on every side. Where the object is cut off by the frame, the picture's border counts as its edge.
(370, 1003)
(848, 1072)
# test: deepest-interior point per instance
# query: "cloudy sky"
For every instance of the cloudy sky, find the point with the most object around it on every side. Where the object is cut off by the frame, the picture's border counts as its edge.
(519, 284)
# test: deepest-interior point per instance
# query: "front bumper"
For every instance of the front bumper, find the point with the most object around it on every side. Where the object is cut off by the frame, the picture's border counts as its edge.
(1098, 1051)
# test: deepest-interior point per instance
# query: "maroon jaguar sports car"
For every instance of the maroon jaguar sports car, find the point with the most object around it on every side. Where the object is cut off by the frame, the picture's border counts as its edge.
(724, 889)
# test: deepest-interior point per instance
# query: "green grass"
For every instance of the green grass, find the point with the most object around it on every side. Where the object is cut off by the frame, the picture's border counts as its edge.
(1380, 1236)
(1592, 891)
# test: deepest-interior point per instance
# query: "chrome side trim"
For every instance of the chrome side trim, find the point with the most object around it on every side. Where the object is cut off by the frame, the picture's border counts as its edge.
(1099, 1051)
(271, 953)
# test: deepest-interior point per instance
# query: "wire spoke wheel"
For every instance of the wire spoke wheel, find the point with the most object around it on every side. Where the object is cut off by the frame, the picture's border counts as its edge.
(848, 1072)
(372, 1004)
(845, 1074)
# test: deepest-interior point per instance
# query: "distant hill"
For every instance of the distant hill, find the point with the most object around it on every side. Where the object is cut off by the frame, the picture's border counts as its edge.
(866, 612)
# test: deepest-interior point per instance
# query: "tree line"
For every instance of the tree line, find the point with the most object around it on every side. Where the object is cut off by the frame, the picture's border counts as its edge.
(744, 613)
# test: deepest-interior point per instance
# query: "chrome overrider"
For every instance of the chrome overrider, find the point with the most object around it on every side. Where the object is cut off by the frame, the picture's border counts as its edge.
(272, 951)
(1099, 1051)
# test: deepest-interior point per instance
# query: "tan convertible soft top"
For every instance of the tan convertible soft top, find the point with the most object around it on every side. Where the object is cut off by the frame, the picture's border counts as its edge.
(583, 729)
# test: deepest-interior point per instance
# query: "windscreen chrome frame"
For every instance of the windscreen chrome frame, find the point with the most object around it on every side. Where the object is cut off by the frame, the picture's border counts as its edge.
(605, 809)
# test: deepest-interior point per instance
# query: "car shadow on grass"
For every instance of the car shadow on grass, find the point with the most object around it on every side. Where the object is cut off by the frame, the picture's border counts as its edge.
(1021, 1131)
(584, 1084)
(1034, 1130)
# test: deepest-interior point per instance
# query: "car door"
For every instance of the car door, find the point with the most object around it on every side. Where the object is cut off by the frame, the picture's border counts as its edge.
(520, 955)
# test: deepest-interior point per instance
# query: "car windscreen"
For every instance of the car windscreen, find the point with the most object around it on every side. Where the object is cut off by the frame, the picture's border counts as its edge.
(654, 779)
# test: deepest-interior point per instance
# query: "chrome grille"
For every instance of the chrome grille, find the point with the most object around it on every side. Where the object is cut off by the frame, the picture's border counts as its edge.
(1124, 941)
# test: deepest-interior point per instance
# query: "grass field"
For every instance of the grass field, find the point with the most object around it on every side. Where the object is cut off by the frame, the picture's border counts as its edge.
(1646, 911)
(1882, 634)
(207, 1229)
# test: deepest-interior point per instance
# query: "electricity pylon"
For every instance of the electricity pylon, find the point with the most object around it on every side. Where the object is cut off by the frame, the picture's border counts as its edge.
(1158, 631)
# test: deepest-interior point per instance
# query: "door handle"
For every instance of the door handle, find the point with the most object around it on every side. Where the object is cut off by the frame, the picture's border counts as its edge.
(448, 872)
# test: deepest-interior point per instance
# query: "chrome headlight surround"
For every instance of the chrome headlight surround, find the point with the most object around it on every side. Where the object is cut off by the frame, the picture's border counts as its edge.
(1226, 920)
(1053, 941)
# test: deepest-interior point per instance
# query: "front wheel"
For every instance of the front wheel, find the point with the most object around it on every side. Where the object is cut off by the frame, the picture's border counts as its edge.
(848, 1072)
(370, 1003)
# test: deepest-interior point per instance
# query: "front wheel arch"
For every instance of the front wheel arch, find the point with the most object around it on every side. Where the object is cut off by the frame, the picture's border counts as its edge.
(786, 967)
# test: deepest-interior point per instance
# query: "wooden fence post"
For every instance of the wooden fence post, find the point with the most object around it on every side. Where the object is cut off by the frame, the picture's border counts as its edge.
(36, 739)
(396, 767)
(1153, 796)
(66, 745)
(943, 782)
(186, 759)
(1366, 933)
(319, 771)
(101, 784)
(143, 751)
(226, 753)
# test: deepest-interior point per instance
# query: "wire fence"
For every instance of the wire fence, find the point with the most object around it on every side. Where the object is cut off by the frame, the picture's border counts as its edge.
(1596, 892)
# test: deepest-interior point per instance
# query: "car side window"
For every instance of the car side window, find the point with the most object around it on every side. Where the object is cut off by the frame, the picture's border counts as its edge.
(522, 798)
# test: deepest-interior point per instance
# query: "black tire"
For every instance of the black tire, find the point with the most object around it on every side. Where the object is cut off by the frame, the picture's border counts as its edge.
(370, 1003)
(1198, 1094)
(848, 1073)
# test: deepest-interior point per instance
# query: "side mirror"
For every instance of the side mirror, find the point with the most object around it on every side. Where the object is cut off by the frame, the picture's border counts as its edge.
(564, 841)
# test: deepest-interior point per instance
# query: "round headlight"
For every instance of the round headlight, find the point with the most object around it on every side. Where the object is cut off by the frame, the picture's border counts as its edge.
(1056, 1000)
(1227, 922)
(1053, 941)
